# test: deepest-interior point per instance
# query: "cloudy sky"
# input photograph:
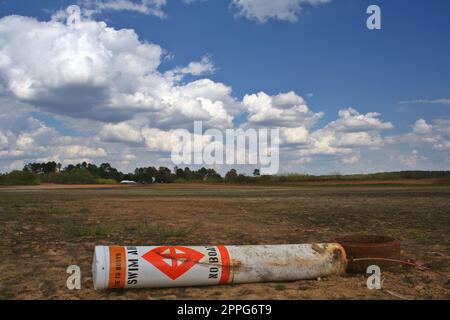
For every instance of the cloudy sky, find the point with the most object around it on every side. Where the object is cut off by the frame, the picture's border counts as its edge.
(112, 87)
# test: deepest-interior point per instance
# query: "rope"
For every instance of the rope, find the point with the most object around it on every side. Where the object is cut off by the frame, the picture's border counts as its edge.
(421, 267)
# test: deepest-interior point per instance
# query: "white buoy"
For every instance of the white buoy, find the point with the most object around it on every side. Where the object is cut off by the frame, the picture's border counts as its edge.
(175, 266)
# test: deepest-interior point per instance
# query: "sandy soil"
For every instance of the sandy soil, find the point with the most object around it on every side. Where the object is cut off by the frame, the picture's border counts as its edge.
(46, 228)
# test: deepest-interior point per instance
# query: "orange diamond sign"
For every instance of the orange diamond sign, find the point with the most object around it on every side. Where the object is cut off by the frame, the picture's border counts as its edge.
(173, 261)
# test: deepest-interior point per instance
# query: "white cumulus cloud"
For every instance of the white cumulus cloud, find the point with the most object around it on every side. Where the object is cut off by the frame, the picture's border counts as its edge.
(284, 110)
(96, 72)
(120, 132)
(148, 7)
(263, 10)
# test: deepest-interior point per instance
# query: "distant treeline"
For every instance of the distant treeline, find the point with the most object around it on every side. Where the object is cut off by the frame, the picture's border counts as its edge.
(88, 173)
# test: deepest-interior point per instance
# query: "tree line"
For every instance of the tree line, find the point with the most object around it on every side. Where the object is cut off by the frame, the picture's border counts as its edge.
(105, 173)
(89, 173)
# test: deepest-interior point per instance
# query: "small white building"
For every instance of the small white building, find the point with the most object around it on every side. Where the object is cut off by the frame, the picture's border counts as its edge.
(127, 182)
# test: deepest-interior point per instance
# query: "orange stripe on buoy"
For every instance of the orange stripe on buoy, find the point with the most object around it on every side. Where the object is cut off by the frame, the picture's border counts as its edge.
(117, 267)
(225, 276)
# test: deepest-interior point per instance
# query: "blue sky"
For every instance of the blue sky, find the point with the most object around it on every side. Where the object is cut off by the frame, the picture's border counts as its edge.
(327, 56)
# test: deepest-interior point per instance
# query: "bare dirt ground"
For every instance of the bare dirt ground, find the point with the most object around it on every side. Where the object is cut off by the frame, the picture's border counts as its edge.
(46, 228)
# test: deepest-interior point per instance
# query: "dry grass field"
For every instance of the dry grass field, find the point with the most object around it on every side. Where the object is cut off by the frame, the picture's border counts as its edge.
(46, 228)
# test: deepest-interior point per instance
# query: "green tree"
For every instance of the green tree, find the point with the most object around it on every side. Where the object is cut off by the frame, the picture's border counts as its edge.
(232, 174)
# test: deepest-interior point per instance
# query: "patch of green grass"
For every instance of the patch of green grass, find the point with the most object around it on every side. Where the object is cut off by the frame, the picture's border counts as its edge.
(280, 287)
(106, 181)
(84, 210)
(10, 213)
(161, 231)
(156, 232)
(74, 230)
